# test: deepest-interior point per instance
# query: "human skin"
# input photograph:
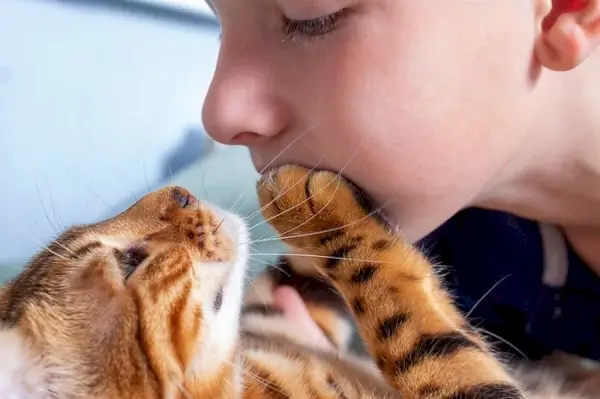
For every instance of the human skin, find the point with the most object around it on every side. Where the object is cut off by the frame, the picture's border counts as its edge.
(431, 106)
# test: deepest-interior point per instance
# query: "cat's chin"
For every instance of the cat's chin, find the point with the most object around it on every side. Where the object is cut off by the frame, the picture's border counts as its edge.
(225, 277)
(222, 322)
(233, 285)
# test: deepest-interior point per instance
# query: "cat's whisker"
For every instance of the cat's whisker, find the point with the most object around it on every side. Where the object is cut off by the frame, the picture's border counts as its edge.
(170, 171)
(59, 222)
(370, 214)
(266, 181)
(318, 212)
(90, 190)
(257, 290)
(307, 199)
(184, 391)
(280, 195)
(339, 180)
(219, 226)
(145, 174)
(263, 236)
(264, 262)
(268, 165)
(42, 246)
(264, 382)
(333, 290)
(326, 257)
(233, 209)
(54, 253)
(65, 248)
(203, 184)
(486, 332)
(37, 188)
(271, 264)
(198, 206)
(268, 239)
(487, 293)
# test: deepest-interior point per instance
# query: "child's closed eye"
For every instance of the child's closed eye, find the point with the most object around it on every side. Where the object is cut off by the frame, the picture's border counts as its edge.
(313, 28)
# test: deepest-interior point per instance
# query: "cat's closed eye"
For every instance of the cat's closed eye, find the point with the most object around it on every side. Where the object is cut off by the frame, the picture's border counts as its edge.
(131, 258)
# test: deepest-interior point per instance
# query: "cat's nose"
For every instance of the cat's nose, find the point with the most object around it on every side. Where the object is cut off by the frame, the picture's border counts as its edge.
(183, 197)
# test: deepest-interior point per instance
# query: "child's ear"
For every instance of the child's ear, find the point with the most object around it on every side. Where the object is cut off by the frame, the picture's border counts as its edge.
(570, 31)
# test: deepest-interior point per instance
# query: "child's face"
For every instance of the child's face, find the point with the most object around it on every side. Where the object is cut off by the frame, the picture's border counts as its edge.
(420, 102)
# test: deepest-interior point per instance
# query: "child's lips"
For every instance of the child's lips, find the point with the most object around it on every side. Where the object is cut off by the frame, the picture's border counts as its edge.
(288, 300)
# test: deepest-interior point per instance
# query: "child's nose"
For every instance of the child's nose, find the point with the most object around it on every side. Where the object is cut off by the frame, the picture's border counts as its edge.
(242, 107)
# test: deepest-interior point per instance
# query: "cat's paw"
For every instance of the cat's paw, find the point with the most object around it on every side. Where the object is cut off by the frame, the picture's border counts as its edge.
(307, 207)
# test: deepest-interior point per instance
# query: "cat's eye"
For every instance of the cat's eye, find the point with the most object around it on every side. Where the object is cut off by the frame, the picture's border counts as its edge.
(218, 300)
(313, 28)
(130, 259)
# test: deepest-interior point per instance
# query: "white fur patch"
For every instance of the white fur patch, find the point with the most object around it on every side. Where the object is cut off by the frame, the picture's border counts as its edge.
(221, 329)
(18, 378)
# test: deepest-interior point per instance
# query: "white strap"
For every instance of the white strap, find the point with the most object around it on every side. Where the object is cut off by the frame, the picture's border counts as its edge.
(556, 257)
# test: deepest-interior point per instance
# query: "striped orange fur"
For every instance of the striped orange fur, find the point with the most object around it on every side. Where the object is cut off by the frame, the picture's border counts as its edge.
(126, 308)
(151, 304)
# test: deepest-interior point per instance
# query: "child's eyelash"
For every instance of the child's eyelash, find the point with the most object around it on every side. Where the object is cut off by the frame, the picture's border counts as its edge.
(312, 28)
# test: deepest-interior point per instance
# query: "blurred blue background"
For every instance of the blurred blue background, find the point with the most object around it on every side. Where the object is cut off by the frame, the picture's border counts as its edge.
(99, 100)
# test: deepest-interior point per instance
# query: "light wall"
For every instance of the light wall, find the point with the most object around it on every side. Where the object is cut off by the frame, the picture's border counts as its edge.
(95, 100)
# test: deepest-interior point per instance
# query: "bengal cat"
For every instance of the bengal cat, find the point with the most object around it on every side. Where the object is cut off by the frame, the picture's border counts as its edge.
(150, 304)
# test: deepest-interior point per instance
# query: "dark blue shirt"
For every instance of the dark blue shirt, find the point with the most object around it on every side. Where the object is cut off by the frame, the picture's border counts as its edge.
(545, 297)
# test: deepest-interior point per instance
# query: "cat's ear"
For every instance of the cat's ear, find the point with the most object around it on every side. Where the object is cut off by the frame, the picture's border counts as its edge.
(16, 367)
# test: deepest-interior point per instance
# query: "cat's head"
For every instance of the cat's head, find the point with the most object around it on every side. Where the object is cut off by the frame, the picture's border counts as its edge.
(145, 302)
